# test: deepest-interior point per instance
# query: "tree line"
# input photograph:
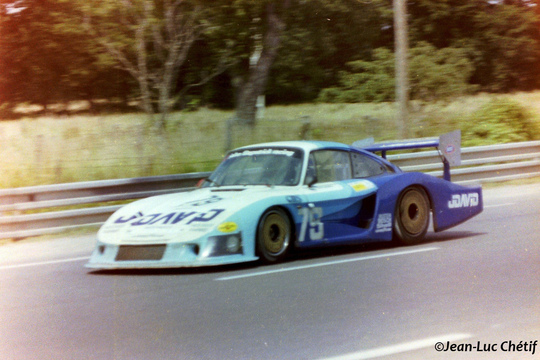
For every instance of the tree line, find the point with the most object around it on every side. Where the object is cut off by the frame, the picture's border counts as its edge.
(181, 54)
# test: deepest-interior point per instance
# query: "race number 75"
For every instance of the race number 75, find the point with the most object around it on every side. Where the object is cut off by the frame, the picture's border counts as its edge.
(311, 219)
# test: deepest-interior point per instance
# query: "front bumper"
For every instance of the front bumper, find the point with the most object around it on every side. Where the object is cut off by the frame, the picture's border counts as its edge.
(170, 255)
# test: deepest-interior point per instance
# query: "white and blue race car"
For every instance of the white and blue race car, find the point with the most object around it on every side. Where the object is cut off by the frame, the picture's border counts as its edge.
(264, 200)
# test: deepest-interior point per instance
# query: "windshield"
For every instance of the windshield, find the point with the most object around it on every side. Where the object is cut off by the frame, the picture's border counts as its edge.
(259, 166)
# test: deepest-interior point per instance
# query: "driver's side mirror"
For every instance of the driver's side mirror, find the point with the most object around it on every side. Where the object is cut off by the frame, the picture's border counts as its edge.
(311, 180)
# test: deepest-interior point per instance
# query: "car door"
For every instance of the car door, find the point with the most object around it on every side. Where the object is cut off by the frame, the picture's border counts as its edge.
(333, 200)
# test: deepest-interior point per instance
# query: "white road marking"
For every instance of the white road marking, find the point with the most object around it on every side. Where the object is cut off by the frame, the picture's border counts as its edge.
(343, 261)
(498, 205)
(44, 263)
(401, 347)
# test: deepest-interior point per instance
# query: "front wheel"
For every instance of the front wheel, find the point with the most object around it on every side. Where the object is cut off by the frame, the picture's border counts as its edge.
(273, 235)
(411, 216)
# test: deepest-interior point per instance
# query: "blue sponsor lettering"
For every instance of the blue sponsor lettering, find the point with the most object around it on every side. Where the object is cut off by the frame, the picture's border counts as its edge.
(181, 216)
(209, 200)
(145, 220)
(166, 218)
(171, 218)
(204, 216)
(122, 220)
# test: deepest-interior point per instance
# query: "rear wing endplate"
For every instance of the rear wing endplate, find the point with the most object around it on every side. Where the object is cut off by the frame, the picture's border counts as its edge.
(448, 145)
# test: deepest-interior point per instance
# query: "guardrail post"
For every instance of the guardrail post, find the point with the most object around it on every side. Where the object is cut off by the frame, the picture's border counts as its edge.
(305, 130)
(229, 124)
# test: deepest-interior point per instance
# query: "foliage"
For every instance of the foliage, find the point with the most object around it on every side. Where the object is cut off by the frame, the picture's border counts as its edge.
(150, 40)
(267, 41)
(508, 45)
(439, 73)
(321, 37)
(434, 74)
(47, 56)
(369, 81)
(39, 57)
(499, 121)
(501, 38)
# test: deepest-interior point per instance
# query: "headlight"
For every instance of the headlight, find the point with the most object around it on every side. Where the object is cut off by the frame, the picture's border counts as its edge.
(223, 245)
(233, 244)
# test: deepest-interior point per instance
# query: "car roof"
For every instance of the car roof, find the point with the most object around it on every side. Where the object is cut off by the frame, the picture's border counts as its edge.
(310, 145)
(306, 145)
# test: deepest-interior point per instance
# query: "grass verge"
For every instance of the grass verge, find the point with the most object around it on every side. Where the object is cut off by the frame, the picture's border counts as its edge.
(47, 150)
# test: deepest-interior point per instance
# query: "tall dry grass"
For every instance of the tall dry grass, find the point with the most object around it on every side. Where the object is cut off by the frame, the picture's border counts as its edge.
(47, 150)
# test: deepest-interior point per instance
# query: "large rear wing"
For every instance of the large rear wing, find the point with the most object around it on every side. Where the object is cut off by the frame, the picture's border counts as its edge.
(448, 145)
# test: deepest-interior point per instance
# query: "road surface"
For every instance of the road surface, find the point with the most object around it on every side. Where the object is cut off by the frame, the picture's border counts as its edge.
(472, 292)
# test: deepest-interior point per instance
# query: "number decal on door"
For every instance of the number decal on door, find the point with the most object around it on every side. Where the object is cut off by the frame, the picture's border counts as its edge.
(311, 218)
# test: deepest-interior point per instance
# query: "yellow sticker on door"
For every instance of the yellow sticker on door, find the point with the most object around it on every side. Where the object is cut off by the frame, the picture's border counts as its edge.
(362, 185)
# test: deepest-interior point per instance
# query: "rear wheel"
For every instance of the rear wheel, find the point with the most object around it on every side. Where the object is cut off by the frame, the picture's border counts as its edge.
(411, 216)
(273, 235)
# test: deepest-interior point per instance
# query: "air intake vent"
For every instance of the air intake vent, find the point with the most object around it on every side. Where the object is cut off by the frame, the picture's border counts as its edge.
(140, 252)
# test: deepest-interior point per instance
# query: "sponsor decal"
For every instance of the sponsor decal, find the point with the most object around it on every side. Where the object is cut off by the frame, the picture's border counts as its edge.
(122, 220)
(326, 186)
(294, 199)
(384, 223)
(177, 217)
(262, 152)
(359, 186)
(463, 200)
(227, 227)
(206, 201)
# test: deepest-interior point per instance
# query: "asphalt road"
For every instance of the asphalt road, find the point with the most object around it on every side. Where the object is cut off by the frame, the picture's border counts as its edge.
(475, 289)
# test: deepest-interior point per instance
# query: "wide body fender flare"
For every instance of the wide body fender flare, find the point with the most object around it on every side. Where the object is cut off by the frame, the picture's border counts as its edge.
(451, 204)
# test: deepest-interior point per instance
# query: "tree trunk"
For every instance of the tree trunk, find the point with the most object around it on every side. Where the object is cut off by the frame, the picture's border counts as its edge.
(258, 73)
(146, 98)
(142, 73)
(164, 99)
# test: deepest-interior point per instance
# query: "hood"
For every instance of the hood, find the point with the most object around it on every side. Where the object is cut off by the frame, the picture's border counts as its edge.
(180, 217)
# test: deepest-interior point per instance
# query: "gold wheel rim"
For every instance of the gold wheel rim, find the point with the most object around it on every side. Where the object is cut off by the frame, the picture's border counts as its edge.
(275, 234)
(413, 212)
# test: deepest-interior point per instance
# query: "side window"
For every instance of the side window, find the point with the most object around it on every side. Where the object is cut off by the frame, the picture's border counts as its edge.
(331, 165)
(364, 166)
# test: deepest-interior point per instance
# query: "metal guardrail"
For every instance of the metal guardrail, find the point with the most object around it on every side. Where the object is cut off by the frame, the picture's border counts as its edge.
(479, 164)
(13, 202)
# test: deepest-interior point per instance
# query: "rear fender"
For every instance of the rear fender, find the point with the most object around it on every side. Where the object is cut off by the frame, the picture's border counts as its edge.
(452, 204)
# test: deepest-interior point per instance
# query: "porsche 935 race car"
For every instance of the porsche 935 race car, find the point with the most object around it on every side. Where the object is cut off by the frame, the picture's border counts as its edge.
(264, 200)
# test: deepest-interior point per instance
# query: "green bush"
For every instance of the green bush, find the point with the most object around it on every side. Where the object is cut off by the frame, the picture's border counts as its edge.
(369, 81)
(434, 74)
(499, 121)
(439, 73)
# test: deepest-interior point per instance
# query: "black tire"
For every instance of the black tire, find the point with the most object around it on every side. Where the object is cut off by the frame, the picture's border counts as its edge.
(273, 235)
(411, 220)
